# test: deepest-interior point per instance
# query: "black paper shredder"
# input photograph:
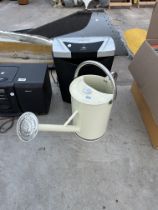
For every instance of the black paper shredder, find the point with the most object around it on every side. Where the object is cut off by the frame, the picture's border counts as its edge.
(69, 52)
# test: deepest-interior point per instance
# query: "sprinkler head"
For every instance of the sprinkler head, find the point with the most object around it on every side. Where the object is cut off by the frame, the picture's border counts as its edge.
(27, 126)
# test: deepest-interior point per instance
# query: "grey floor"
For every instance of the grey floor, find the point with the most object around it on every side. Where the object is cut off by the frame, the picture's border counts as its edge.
(59, 171)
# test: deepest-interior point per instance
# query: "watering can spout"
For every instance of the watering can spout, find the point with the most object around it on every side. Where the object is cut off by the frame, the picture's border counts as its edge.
(28, 126)
(58, 128)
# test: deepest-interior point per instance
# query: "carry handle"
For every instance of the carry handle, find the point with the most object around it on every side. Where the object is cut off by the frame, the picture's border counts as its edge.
(103, 68)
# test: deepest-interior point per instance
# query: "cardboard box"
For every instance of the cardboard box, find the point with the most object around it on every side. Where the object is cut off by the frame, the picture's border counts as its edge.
(144, 67)
(149, 122)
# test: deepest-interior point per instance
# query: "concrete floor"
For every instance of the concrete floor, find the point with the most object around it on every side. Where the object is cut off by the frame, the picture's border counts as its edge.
(59, 171)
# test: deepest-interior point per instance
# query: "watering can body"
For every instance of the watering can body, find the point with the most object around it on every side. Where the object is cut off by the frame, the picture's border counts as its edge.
(92, 97)
(92, 120)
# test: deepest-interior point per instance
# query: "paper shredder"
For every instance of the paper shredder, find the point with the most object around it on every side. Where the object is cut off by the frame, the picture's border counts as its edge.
(69, 52)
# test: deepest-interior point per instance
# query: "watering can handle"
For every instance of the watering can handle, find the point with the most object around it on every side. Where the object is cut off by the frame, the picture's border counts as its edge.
(102, 67)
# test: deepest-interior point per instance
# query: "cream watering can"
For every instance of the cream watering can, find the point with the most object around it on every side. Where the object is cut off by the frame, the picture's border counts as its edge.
(92, 98)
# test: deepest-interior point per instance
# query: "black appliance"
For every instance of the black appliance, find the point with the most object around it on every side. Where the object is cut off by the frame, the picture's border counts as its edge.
(69, 52)
(24, 87)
